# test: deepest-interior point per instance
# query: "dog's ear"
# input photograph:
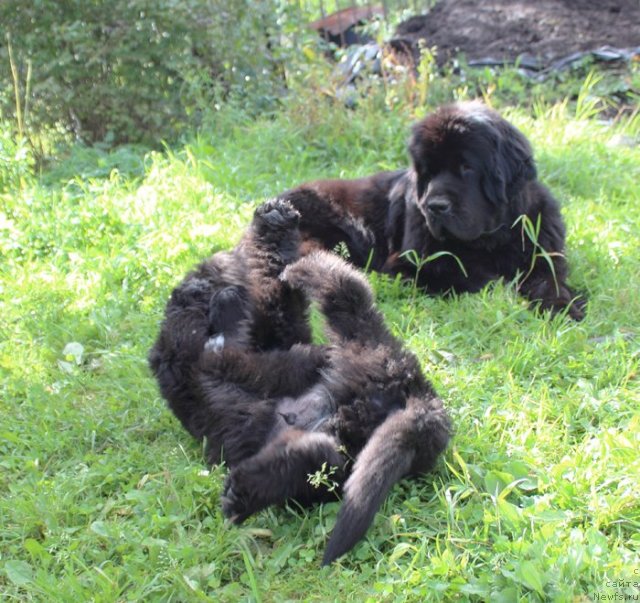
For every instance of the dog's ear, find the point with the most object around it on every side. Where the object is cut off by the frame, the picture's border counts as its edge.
(419, 153)
(510, 163)
(518, 153)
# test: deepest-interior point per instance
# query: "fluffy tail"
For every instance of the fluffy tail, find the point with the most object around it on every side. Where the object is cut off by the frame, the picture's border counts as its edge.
(409, 441)
(344, 295)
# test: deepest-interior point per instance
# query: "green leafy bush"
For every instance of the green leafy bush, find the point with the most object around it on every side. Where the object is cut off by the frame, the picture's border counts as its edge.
(133, 70)
(16, 162)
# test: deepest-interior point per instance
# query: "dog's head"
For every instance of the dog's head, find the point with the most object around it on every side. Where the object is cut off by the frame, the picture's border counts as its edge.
(470, 165)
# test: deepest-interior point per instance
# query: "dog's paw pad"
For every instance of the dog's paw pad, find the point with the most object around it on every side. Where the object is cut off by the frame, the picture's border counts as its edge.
(277, 213)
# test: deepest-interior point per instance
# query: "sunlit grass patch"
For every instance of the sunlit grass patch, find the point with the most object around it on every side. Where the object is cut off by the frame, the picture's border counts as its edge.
(104, 497)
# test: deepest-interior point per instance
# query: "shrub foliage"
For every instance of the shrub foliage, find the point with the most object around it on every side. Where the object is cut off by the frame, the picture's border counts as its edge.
(132, 70)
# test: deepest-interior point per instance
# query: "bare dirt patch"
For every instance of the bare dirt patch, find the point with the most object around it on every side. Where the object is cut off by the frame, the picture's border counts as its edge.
(538, 33)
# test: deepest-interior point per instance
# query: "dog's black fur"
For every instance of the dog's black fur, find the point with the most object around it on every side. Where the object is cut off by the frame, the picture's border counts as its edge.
(277, 408)
(472, 178)
(235, 301)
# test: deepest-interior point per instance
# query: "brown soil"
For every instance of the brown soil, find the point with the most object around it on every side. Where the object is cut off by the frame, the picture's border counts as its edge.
(541, 31)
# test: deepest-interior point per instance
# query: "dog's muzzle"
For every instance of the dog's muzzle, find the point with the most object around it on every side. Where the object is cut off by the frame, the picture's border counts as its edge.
(438, 206)
(436, 211)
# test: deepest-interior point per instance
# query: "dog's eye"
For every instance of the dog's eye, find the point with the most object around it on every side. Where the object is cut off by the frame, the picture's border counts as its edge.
(465, 169)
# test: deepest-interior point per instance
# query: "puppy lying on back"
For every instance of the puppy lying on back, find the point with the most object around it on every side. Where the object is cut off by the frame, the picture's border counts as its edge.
(463, 203)
(279, 414)
(236, 297)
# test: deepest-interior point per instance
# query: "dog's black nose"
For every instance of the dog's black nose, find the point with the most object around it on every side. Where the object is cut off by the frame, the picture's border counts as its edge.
(438, 205)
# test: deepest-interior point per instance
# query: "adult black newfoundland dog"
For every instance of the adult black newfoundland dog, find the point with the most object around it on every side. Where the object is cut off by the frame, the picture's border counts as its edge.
(470, 205)
(235, 362)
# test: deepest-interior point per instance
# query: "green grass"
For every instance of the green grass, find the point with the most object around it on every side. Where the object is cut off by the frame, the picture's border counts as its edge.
(104, 497)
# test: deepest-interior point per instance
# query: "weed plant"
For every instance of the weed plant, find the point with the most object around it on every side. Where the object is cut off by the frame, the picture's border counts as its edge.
(103, 497)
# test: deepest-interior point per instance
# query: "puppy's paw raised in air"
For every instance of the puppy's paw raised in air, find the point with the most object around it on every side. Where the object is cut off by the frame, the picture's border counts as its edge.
(277, 214)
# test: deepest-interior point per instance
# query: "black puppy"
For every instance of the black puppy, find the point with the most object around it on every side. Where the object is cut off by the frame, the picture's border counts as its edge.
(470, 204)
(277, 412)
(235, 300)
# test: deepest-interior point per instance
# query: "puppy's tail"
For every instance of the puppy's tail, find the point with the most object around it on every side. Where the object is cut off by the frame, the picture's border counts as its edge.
(409, 441)
(344, 295)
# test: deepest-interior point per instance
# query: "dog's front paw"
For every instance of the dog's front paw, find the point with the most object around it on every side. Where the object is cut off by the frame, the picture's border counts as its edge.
(577, 309)
(235, 506)
(277, 214)
(566, 301)
(558, 298)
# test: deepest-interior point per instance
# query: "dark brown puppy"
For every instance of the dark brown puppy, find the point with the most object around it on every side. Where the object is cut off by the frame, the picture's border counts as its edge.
(372, 415)
(470, 203)
(233, 360)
